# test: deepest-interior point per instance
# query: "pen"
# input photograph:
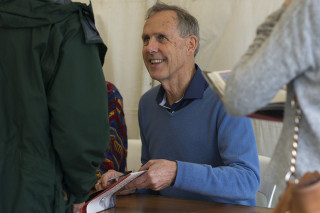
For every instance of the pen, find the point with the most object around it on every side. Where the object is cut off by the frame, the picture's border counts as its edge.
(124, 174)
(118, 176)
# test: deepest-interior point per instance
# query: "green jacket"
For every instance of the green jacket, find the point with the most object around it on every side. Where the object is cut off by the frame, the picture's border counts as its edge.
(53, 105)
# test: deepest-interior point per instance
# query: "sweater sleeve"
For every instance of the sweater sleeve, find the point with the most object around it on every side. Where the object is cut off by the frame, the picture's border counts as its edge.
(239, 177)
(77, 100)
(283, 48)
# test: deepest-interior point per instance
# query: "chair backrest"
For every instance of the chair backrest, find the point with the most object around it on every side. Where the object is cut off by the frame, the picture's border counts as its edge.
(134, 154)
(266, 190)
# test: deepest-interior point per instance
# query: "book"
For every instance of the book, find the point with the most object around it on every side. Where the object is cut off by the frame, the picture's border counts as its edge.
(106, 198)
(274, 111)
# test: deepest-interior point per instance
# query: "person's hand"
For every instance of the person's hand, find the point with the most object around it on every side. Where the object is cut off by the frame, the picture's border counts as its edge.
(160, 174)
(76, 207)
(103, 182)
(127, 190)
(287, 2)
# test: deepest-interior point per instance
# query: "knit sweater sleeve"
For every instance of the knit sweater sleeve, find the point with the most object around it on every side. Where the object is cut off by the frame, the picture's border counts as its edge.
(282, 49)
(238, 178)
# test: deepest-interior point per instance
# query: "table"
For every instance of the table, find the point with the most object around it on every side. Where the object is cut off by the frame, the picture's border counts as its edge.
(139, 203)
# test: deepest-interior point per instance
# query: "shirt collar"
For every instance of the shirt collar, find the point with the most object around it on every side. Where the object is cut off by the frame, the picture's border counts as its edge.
(195, 89)
(197, 85)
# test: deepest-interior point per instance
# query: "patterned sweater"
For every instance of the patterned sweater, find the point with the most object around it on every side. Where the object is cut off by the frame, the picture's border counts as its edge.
(117, 150)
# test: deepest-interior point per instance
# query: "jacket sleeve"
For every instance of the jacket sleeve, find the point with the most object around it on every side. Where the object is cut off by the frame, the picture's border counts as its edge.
(283, 49)
(77, 99)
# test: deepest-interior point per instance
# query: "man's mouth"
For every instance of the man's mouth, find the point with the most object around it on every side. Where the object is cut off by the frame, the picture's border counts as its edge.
(156, 61)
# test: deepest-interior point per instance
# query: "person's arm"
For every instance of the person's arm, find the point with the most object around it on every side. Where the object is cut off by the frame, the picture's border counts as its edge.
(283, 48)
(239, 177)
(77, 100)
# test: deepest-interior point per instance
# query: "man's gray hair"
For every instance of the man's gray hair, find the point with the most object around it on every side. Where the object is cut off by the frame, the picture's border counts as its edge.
(187, 24)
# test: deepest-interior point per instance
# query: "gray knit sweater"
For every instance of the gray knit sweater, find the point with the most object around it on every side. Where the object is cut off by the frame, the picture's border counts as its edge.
(286, 51)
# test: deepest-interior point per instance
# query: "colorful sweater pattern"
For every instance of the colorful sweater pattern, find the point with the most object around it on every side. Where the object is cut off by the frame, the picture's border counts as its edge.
(116, 154)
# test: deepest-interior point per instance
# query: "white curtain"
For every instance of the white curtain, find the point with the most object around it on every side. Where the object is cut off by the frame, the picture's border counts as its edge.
(227, 27)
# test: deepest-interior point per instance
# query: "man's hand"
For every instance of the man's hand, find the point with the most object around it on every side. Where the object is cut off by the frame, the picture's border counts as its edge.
(103, 182)
(160, 174)
(77, 207)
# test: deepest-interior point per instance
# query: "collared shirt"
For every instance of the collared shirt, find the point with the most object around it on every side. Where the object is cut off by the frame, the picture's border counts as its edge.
(194, 91)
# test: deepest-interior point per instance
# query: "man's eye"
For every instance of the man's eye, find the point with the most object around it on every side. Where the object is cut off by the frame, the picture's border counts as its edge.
(146, 40)
(162, 37)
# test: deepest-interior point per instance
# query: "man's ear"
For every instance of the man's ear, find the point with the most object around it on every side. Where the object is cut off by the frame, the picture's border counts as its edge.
(192, 44)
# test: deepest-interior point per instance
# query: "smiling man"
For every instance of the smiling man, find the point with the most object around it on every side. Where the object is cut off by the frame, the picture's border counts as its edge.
(190, 146)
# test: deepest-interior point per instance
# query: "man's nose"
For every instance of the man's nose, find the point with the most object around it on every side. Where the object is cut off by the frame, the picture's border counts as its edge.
(152, 46)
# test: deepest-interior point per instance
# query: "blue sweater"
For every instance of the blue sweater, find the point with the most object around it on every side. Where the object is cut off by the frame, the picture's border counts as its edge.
(216, 153)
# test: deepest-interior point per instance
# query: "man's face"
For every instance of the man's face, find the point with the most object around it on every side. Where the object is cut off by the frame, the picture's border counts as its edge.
(164, 51)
